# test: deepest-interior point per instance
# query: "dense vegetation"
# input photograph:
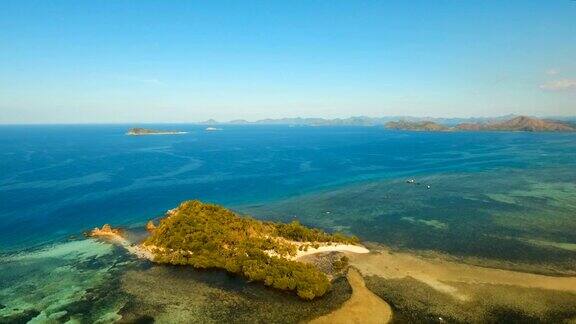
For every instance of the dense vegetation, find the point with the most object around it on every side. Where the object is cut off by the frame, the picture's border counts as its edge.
(210, 236)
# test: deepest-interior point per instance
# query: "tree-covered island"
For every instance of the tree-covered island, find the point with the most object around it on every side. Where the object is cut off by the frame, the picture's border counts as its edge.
(209, 236)
(146, 131)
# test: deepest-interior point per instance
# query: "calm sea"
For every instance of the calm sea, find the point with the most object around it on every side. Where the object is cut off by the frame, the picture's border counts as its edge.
(57, 181)
(502, 198)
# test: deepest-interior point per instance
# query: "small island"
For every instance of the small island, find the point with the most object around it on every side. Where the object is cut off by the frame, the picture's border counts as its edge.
(416, 126)
(145, 131)
(516, 124)
(207, 236)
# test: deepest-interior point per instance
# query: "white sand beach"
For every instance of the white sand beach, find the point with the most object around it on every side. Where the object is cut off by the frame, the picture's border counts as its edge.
(332, 248)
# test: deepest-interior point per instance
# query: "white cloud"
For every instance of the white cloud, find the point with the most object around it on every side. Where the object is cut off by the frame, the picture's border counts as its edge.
(559, 85)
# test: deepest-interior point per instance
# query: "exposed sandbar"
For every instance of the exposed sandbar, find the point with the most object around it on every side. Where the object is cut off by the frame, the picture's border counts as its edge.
(439, 274)
(363, 307)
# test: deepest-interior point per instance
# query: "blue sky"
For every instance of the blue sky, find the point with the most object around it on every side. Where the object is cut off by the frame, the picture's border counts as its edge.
(186, 61)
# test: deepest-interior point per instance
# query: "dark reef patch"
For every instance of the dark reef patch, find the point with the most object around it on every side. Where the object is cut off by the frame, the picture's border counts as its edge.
(416, 302)
(21, 317)
(179, 293)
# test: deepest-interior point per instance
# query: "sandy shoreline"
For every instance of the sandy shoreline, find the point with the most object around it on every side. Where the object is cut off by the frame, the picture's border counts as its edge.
(332, 248)
(117, 238)
(443, 275)
(363, 307)
(460, 281)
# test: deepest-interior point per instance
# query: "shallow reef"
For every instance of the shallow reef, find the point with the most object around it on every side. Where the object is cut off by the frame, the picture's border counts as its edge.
(75, 281)
(416, 302)
(93, 281)
(180, 294)
(519, 219)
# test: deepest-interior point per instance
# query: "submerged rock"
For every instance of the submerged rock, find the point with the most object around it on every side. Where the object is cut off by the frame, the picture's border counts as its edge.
(150, 227)
(106, 230)
(20, 316)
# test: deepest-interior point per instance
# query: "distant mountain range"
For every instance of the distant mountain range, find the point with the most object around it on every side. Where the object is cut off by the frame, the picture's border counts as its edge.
(417, 126)
(520, 123)
(407, 122)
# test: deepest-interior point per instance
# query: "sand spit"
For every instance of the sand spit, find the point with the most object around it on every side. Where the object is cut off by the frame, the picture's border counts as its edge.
(115, 236)
(140, 251)
(332, 248)
(440, 274)
(363, 307)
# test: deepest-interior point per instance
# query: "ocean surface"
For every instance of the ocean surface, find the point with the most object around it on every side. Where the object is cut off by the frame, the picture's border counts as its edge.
(497, 196)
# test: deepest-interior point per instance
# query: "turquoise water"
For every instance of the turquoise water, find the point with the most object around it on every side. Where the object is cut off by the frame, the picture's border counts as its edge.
(59, 180)
(503, 197)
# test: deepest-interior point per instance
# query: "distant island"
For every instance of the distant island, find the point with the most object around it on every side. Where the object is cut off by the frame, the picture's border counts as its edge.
(210, 236)
(416, 126)
(520, 123)
(378, 121)
(145, 131)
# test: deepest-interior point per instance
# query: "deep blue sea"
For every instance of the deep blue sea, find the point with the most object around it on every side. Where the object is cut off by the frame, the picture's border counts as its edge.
(57, 181)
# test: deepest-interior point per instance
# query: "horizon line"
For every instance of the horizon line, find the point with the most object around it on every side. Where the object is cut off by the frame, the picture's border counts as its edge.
(212, 120)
